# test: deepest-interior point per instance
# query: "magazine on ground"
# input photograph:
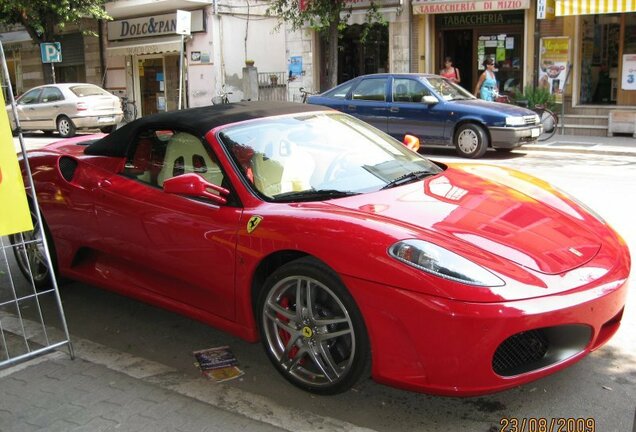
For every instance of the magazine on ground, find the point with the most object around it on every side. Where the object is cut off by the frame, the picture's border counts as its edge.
(218, 363)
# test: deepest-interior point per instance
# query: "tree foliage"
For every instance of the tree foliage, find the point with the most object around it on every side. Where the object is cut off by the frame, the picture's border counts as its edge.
(40, 17)
(328, 17)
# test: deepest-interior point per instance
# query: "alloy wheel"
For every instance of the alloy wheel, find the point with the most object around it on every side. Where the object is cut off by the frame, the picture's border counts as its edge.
(467, 141)
(309, 332)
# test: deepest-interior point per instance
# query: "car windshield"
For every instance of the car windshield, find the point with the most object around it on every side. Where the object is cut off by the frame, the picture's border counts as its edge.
(88, 90)
(320, 156)
(448, 90)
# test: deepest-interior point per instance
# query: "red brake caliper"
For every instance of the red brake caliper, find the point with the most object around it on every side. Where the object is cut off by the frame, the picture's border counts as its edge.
(284, 335)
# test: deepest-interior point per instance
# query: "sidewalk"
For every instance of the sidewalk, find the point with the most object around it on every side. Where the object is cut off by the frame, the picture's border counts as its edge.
(613, 146)
(107, 390)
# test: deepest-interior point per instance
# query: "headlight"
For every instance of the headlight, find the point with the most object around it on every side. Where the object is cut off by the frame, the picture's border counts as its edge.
(515, 121)
(537, 119)
(443, 263)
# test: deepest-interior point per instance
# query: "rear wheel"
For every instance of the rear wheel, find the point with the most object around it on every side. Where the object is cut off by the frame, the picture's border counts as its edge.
(107, 129)
(65, 127)
(312, 329)
(28, 248)
(471, 141)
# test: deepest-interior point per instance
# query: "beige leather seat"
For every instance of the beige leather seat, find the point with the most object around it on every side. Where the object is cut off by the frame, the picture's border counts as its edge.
(281, 167)
(185, 154)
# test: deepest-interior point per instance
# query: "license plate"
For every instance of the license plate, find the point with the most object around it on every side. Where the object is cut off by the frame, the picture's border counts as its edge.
(535, 132)
(110, 119)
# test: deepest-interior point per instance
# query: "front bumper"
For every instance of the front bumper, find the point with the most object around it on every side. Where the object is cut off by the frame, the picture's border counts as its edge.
(441, 346)
(511, 137)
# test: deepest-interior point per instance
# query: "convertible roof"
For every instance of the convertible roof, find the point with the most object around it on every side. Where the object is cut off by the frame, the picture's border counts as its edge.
(198, 121)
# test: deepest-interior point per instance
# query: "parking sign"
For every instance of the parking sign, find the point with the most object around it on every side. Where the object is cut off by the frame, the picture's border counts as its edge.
(51, 52)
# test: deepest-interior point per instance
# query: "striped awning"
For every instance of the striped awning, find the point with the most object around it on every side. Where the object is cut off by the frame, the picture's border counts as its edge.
(586, 7)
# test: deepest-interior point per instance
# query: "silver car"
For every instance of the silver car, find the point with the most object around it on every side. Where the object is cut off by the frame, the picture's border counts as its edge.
(66, 108)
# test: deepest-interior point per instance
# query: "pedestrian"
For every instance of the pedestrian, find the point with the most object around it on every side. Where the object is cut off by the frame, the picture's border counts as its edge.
(487, 85)
(449, 71)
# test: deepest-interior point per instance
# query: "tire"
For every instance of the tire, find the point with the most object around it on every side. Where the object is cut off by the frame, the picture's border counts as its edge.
(107, 129)
(549, 121)
(321, 347)
(65, 127)
(471, 141)
(28, 249)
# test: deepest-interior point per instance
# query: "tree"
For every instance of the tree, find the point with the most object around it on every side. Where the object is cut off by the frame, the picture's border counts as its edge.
(325, 16)
(40, 17)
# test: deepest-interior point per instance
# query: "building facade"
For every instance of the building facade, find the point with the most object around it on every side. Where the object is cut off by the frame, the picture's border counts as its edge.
(144, 52)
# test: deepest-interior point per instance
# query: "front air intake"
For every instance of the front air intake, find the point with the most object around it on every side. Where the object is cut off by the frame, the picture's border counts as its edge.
(534, 349)
(67, 167)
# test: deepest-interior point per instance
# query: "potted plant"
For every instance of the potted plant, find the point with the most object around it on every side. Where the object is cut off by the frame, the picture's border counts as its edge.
(273, 79)
(249, 63)
(533, 96)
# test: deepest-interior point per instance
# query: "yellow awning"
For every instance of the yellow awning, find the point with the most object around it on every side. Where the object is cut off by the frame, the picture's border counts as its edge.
(588, 7)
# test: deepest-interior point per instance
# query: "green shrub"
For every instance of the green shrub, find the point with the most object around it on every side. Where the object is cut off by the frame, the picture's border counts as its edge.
(536, 96)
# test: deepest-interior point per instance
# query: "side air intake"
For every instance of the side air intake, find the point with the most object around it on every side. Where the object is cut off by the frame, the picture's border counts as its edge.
(67, 167)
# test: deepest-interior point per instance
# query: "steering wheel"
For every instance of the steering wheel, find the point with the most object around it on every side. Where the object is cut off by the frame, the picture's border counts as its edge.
(341, 164)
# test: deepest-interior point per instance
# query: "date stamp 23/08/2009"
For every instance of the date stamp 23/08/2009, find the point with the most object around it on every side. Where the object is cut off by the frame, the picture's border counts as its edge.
(544, 424)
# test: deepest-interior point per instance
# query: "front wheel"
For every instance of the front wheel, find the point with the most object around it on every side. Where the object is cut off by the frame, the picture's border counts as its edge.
(312, 329)
(471, 141)
(549, 121)
(65, 127)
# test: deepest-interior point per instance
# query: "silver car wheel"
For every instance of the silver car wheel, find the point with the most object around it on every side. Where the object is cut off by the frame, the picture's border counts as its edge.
(309, 331)
(28, 248)
(467, 141)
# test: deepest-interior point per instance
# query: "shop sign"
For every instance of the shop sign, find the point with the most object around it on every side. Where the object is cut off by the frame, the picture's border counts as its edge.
(451, 6)
(155, 25)
(546, 9)
(554, 58)
(479, 19)
(629, 72)
(14, 211)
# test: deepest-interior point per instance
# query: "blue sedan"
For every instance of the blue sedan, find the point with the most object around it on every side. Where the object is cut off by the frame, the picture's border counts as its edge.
(435, 110)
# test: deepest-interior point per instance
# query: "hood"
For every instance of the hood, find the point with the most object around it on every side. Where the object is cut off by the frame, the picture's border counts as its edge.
(494, 108)
(504, 212)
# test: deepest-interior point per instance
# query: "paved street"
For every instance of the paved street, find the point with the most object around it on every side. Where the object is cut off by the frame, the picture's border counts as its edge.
(145, 353)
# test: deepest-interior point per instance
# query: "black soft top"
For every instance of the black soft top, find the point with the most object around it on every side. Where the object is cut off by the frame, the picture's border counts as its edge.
(198, 121)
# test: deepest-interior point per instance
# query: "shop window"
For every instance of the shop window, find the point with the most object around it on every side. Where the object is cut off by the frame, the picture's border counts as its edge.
(600, 46)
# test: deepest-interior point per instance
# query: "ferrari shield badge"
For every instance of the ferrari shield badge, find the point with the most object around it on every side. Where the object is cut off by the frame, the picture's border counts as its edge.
(253, 223)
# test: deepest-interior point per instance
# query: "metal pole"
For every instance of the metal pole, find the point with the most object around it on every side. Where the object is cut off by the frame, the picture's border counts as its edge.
(565, 86)
(181, 72)
(36, 208)
(53, 71)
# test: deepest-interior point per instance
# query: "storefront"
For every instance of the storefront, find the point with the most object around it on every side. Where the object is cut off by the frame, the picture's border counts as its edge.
(603, 50)
(374, 54)
(471, 31)
(144, 62)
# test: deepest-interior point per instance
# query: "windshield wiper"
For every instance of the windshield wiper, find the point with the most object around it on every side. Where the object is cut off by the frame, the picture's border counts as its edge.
(407, 178)
(313, 194)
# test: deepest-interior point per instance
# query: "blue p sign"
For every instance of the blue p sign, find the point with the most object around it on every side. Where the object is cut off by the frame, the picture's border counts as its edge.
(51, 52)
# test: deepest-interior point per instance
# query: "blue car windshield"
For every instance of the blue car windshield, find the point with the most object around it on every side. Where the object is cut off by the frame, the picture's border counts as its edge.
(320, 155)
(448, 90)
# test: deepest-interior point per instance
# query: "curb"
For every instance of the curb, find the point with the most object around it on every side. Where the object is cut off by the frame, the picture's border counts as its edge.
(579, 150)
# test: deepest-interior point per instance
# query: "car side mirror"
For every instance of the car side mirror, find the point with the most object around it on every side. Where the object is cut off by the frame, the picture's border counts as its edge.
(412, 142)
(192, 184)
(429, 100)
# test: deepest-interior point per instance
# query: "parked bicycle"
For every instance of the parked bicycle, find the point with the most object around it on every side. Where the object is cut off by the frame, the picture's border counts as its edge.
(222, 97)
(304, 94)
(129, 108)
(549, 121)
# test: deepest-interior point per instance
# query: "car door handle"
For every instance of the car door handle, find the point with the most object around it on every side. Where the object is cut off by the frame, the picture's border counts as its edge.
(394, 109)
(104, 183)
(56, 106)
(352, 107)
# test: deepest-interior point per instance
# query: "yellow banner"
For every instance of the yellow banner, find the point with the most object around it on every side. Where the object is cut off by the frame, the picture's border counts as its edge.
(14, 207)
